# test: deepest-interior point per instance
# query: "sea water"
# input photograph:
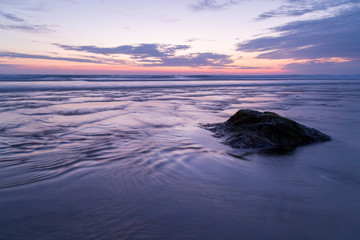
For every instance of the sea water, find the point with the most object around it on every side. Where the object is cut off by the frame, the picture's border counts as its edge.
(125, 157)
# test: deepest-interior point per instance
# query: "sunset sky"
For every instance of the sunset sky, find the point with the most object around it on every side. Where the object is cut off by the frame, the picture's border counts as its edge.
(180, 37)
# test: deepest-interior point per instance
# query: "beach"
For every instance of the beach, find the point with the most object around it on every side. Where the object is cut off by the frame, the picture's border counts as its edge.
(125, 157)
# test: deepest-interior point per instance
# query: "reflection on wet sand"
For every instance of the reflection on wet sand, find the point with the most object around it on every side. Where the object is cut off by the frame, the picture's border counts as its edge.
(134, 164)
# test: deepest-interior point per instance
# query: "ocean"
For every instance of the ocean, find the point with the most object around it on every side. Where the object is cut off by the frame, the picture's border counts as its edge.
(125, 157)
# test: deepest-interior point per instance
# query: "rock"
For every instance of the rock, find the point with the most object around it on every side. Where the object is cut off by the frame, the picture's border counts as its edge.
(267, 131)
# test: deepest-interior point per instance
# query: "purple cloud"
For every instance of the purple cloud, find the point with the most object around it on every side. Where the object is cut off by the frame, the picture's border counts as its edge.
(157, 54)
(136, 51)
(213, 4)
(337, 36)
(249, 67)
(33, 56)
(295, 8)
(11, 17)
(18, 23)
(194, 60)
(318, 41)
(327, 67)
(28, 28)
(5, 65)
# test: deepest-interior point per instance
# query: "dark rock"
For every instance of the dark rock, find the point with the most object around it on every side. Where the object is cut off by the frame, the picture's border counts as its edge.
(267, 131)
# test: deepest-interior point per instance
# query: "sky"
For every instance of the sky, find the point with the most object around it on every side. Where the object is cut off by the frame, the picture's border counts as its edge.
(180, 37)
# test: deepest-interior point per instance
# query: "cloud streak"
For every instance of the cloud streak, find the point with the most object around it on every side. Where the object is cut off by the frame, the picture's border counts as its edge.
(28, 28)
(295, 8)
(18, 23)
(213, 4)
(146, 55)
(135, 51)
(251, 68)
(328, 67)
(194, 60)
(46, 57)
(160, 55)
(5, 65)
(11, 17)
(337, 36)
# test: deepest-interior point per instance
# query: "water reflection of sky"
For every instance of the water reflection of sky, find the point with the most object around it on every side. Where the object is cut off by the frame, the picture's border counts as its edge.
(135, 163)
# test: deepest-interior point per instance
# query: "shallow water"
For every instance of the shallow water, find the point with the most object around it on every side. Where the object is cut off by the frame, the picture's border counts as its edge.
(107, 158)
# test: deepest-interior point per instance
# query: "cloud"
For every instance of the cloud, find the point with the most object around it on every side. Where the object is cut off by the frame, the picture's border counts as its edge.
(135, 51)
(336, 36)
(11, 17)
(249, 67)
(28, 28)
(192, 40)
(157, 54)
(328, 67)
(193, 60)
(18, 23)
(295, 8)
(213, 4)
(5, 65)
(147, 55)
(33, 56)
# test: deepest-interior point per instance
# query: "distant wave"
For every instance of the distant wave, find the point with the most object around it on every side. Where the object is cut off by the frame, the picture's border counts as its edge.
(11, 83)
(43, 77)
